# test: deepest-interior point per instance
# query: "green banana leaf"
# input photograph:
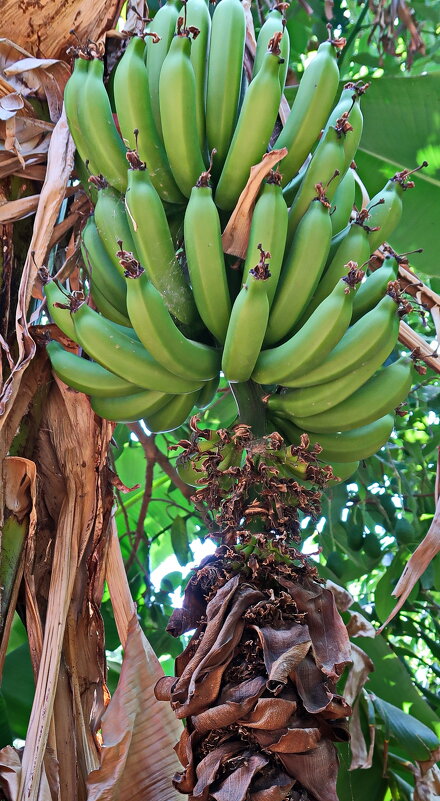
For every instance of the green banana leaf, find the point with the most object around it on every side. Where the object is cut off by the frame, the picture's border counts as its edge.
(391, 680)
(401, 124)
(408, 732)
(362, 785)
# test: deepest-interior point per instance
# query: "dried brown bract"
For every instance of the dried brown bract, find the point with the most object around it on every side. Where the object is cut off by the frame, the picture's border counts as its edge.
(256, 683)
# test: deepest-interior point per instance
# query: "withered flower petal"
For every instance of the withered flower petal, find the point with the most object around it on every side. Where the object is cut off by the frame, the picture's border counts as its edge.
(330, 641)
(316, 770)
(208, 768)
(236, 786)
(283, 650)
(231, 706)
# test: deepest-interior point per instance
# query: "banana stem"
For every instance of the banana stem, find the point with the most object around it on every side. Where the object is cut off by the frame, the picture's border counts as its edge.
(251, 410)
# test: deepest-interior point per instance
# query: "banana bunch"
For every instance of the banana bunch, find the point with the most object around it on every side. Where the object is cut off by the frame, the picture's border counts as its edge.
(164, 313)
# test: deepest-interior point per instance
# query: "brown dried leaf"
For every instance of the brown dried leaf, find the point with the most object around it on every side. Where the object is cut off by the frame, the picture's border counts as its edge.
(60, 163)
(283, 650)
(416, 565)
(330, 642)
(343, 598)
(360, 757)
(10, 105)
(234, 703)
(361, 668)
(10, 773)
(199, 684)
(359, 626)
(235, 237)
(317, 770)
(235, 787)
(44, 29)
(71, 427)
(137, 760)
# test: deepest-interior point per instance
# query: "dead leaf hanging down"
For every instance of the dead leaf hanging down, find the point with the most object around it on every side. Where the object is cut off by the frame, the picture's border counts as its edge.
(360, 670)
(44, 28)
(60, 164)
(256, 684)
(416, 565)
(10, 772)
(42, 78)
(137, 755)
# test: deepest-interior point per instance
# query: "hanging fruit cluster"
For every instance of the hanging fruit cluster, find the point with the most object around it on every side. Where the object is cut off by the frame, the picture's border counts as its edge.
(170, 316)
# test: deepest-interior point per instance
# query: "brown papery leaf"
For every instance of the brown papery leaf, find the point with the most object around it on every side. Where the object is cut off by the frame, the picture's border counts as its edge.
(343, 598)
(234, 703)
(359, 626)
(283, 650)
(235, 787)
(235, 237)
(44, 29)
(60, 163)
(208, 767)
(360, 757)
(416, 565)
(270, 714)
(317, 770)
(272, 786)
(360, 670)
(137, 758)
(199, 684)
(10, 772)
(330, 642)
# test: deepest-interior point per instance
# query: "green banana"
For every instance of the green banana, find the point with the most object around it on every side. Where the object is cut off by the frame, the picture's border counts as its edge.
(72, 95)
(345, 446)
(154, 244)
(326, 168)
(349, 104)
(378, 397)
(358, 345)
(104, 145)
(205, 259)
(308, 401)
(86, 376)
(385, 208)
(247, 325)
(310, 247)
(355, 246)
(101, 269)
(374, 288)
(253, 130)
(58, 305)
(306, 349)
(268, 227)
(123, 355)
(225, 66)
(159, 334)
(177, 95)
(197, 15)
(133, 106)
(172, 415)
(275, 23)
(310, 110)
(343, 201)
(207, 393)
(127, 409)
(112, 223)
(107, 308)
(163, 25)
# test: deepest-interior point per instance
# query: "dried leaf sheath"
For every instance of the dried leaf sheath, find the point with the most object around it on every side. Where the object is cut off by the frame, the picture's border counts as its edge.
(257, 681)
